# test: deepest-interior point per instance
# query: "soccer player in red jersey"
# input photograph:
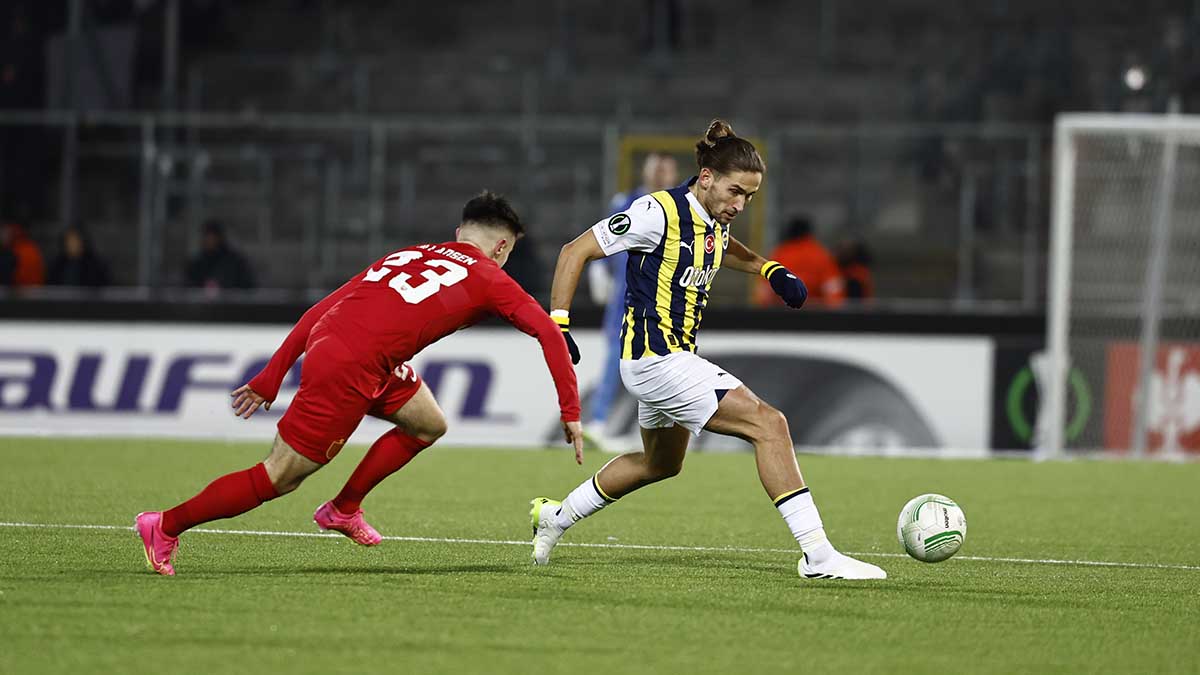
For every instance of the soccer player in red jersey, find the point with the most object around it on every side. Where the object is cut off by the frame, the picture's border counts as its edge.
(357, 342)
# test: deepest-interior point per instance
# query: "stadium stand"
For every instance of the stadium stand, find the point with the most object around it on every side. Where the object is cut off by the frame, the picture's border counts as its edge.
(851, 65)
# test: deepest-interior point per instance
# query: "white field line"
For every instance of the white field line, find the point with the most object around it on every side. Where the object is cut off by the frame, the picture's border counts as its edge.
(642, 547)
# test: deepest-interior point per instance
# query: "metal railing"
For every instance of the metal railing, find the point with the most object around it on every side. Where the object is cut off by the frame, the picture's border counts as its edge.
(310, 197)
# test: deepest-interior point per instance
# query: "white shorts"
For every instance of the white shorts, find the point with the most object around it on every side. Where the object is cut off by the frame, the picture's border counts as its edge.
(679, 388)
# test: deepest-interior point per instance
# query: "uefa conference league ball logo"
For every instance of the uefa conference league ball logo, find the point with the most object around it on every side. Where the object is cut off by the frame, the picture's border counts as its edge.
(619, 224)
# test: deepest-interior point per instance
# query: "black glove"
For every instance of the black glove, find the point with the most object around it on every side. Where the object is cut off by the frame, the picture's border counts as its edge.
(785, 284)
(564, 323)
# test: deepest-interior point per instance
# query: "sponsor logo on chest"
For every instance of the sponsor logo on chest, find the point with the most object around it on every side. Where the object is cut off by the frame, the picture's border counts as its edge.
(699, 277)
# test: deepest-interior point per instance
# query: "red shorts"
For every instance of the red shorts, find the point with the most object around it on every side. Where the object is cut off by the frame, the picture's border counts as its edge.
(335, 393)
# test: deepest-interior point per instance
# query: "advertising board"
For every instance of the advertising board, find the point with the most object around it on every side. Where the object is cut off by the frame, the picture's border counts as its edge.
(173, 380)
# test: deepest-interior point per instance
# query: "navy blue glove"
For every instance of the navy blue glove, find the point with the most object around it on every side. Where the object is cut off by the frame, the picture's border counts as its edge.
(785, 284)
(564, 324)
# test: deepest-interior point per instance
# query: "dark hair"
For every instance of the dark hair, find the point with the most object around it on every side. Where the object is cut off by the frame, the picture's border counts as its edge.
(492, 210)
(798, 226)
(722, 151)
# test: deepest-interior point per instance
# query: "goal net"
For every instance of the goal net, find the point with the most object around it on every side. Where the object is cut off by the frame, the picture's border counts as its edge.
(1121, 372)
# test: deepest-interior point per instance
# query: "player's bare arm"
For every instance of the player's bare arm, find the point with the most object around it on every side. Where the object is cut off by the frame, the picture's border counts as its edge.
(785, 284)
(739, 257)
(571, 260)
(640, 227)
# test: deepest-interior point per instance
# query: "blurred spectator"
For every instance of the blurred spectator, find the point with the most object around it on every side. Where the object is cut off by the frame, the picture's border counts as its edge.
(77, 263)
(854, 260)
(218, 265)
(801, 253)
(606, 282)
(20, 258)
(606, 279)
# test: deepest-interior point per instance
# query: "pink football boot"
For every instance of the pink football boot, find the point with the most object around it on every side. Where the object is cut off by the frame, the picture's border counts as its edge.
(158, 547)
(329, 518)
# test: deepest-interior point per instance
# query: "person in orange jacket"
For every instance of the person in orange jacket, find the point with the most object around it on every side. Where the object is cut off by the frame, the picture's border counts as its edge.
(20, 258)
(801, 253)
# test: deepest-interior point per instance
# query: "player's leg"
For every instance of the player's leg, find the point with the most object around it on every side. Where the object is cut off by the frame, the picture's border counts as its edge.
(676, 396)
(420, 422)
(664, 448)
(324, 413)
(744, 415)
(661, 458)
(228, 496)
(236, 493)
(287, 468)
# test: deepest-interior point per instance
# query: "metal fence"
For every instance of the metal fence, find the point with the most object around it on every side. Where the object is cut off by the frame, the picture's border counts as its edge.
(954, 213)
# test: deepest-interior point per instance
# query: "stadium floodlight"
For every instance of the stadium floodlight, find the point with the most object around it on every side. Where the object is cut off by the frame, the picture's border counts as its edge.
(1124, 298)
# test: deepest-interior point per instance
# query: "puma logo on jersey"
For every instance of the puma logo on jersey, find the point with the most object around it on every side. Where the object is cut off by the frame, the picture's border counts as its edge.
(700, 277)
(684, 244)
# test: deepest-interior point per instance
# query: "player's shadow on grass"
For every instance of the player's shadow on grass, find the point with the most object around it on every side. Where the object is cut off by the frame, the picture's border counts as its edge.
(400, 569)
(657, 562)
(955, 592)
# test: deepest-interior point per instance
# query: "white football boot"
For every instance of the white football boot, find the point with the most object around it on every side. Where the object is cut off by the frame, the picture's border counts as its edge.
(839, 566)
(546, 531)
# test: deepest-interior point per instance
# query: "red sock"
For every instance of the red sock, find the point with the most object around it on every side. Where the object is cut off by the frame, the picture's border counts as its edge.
(387, 455)
(228, 496)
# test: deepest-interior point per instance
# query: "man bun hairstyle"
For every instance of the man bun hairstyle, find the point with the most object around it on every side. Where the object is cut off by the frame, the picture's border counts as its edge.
(723, 151)
(492, 210)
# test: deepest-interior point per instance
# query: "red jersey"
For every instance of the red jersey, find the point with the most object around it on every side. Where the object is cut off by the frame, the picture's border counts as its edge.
(414, 297)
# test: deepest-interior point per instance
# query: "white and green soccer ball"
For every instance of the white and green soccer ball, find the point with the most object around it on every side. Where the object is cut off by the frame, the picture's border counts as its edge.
(931, 528)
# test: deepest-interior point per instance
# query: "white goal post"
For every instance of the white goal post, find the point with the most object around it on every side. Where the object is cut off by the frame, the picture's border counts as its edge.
(1123, 304)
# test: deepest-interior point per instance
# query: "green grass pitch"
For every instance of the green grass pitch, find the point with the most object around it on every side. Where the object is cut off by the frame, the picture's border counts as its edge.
(81, 600)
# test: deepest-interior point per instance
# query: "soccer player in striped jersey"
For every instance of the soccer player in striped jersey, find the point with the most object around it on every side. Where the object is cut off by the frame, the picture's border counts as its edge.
(677, 239)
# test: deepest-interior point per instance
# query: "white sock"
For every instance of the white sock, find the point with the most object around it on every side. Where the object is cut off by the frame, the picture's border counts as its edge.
(581, 503)
(802, 518)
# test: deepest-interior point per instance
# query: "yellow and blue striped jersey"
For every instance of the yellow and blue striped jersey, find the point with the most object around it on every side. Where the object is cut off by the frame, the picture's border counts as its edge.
(675, 250)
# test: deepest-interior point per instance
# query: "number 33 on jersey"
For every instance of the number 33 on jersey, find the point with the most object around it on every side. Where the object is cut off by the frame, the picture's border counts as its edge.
(413, 297)
(450, 274)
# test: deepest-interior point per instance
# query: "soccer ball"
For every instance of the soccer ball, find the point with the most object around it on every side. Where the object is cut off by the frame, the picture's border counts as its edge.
(931, 528)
